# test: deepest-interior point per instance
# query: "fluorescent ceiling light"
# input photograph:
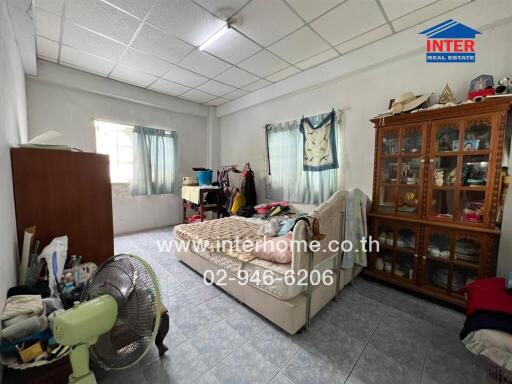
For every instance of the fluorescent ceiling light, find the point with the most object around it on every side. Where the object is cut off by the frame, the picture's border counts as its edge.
(214, 37)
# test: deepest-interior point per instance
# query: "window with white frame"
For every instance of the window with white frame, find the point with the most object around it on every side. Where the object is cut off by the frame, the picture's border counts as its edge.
(116, 140)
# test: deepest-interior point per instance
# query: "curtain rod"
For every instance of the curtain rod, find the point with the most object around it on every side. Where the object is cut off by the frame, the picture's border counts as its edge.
(338, 111)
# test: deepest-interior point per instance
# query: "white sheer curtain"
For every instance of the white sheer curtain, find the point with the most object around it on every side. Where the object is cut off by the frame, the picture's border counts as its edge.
(287, 180)
(155, 162)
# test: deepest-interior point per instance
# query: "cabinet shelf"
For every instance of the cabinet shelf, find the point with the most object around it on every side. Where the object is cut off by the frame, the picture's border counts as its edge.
(438, 191)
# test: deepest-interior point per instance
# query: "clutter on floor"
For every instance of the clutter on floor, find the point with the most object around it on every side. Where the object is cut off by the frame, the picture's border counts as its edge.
(42, 321)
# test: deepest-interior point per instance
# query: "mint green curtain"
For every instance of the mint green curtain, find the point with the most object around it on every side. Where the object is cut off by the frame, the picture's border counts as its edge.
(155, 161)
(287, 179)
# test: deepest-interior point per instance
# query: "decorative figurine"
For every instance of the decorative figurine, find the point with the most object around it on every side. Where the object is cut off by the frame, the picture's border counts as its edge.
(446, 95)
(452, 176)
(439, 177)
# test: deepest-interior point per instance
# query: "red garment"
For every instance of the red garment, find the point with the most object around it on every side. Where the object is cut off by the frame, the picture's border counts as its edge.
(488, 295)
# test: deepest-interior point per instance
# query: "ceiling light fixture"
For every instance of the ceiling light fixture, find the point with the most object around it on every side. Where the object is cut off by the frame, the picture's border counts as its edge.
(214, 37)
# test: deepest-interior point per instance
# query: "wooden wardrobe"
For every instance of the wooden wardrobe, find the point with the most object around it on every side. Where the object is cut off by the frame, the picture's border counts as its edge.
(436, 197)
(65, 193)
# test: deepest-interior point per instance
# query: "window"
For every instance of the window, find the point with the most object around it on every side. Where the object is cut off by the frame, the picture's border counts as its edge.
(287, 179)
(116, 140)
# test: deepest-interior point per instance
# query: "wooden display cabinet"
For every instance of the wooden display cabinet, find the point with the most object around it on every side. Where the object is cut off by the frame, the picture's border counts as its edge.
(436, 195)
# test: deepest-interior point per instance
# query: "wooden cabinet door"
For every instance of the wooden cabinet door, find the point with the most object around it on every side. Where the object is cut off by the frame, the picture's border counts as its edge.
(451, 259)
(477, 174)
(387, 170)
(443, 170)
(411, 163)
(397, 254)
(461, 170)
(400, 170)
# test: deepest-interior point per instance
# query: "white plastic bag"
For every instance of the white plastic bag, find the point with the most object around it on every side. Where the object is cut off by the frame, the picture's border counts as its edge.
(55, 255)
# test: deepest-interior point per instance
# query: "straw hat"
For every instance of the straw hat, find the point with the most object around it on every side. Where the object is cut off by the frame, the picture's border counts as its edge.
(406, 102)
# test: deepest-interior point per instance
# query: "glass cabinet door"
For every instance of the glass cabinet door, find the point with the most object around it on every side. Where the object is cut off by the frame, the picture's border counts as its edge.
(388, 170)
(468, 248)
(443, 168)
(451, 258)
(398, 249)
(411, 166)
(459, 171)
(437, 255)
(400, 170)
(475, 171)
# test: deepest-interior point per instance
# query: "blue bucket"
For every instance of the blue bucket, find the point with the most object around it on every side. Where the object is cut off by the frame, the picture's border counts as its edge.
(204, 177)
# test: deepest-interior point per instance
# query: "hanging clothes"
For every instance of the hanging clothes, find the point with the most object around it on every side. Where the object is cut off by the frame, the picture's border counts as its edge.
(238, 202)
(319, 151)
(248, 186)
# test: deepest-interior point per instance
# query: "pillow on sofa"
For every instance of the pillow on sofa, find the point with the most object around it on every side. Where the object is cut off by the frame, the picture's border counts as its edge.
(277, 249)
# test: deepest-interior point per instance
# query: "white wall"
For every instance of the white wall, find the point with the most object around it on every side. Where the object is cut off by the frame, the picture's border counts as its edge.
(13, 130)
(360, 96)
(71, 112)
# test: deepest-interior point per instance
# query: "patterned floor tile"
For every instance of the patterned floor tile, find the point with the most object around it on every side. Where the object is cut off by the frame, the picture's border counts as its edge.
(216, 342)
(245, 366)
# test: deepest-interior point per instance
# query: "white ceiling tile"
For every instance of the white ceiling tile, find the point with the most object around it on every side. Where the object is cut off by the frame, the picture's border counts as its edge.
(281, 75)
(235, 94)
(222, 8)
(309, 9)
(142, 62)
(158, 43)
(236, 77)
(184, 19)
(135, 7)
(397, 8)
(343, 22)
(85, 61)
(85, 40)
(426, 13)
(48, 25)
(367, 38)
(267, 21)
(199, 96)
(317, 59)
(129, 75)
(168, 87)
(54, 6)
(216, 102)
(299, 45)
(257, 85)
(204, 64)
(47, 49)
(102, 18)
(216, 88)
(263, 64)
(182, 76)
(232, 47)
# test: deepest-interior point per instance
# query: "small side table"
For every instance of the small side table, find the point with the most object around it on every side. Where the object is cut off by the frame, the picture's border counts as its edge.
(195, 195)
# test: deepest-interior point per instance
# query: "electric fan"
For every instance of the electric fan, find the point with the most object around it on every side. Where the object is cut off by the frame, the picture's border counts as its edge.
(116, 321)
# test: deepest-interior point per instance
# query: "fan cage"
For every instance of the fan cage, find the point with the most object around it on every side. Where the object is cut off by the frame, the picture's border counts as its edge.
(133, 284)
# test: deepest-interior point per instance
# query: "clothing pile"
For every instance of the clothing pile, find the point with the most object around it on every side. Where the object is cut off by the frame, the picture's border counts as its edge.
(26, 327)
(238, 200)
(488, 326)
(30, 308)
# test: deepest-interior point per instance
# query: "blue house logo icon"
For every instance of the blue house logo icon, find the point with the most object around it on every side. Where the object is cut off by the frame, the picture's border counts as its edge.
(450, 42)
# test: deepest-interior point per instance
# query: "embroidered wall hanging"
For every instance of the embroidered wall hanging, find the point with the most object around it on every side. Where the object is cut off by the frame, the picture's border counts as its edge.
(319, 143)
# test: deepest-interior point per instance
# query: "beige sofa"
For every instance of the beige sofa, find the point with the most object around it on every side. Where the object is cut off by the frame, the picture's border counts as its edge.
(289, 307)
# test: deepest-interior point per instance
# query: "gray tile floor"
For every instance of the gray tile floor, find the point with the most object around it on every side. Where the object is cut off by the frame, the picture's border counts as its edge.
(373, 334)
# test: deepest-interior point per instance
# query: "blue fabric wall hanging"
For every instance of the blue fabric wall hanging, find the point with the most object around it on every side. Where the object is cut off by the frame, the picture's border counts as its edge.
(319, 147)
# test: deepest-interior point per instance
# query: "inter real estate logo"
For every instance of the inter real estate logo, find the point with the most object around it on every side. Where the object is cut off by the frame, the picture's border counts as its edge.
(450, 42)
